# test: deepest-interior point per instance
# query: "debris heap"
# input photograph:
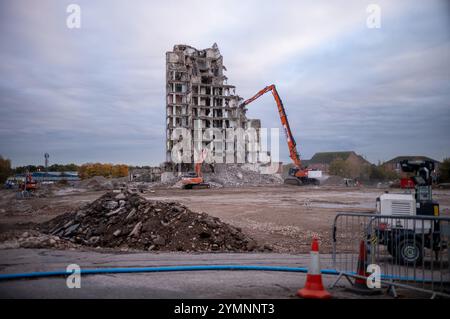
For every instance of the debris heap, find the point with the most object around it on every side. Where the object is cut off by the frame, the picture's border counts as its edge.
(101, 183)
(236, 175)
(233, 175)
(126, 220)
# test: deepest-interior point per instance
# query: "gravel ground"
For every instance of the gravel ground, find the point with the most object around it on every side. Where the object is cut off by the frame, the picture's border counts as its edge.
(282, 217)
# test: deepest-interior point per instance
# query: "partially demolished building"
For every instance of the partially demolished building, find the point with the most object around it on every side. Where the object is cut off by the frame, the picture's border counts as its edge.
(198, 94)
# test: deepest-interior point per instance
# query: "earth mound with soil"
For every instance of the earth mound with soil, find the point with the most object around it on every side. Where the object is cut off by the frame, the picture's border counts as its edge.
(127, 220)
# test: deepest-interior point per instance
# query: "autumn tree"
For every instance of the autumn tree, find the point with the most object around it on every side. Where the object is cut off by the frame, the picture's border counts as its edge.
(5, 169)
(106, 170)
(120, 170)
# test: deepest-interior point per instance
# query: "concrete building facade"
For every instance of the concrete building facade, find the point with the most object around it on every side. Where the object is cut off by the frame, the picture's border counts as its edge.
(199, 97)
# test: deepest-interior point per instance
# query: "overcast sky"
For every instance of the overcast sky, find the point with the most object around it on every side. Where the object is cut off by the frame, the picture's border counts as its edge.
(98, 93)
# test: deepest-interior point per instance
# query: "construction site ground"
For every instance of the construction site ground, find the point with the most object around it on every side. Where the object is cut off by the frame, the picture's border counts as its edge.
(190, 284)
(281, 217)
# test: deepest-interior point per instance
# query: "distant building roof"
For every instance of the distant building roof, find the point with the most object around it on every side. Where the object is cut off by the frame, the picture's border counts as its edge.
(328, 157)
(411, 158)
(52, 176)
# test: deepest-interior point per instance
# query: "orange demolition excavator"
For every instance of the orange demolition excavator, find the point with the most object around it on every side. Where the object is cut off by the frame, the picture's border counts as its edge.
(194, 180)
(297, 175)
(29, 184)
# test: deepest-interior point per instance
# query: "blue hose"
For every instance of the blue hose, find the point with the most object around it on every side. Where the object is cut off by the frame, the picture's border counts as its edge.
(155, 269)
(182, 268)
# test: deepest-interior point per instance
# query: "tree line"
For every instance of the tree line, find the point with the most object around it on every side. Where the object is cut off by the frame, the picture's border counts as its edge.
(338, 167)
(84, 171)
(379, 172)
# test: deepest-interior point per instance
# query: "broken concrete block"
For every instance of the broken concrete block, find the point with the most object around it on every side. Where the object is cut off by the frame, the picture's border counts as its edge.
(114, 212)
(110, 205)
(159, 241)
(120, 196)
(136, 230)
(71, 229)
(132, 212)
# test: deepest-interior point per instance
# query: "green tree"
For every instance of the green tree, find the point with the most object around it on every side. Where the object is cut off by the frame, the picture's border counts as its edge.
(63, 167)
(71, 167)
(340, 168)
(364, 173)
(381, 173)
(5, 169)
(377, 173)
(28, 168)
(444, 171)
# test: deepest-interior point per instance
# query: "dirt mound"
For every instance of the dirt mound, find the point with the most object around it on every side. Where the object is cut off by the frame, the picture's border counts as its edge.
(127, 220)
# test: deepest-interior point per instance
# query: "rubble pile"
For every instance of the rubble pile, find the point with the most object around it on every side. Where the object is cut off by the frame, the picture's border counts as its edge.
(126, 220)
(33, 239)
(233, 175)
(102, 183)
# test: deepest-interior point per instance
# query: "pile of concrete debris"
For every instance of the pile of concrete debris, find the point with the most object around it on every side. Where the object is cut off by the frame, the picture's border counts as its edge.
(102, 183)
(33, 239)
(233, 175)
(125, 220)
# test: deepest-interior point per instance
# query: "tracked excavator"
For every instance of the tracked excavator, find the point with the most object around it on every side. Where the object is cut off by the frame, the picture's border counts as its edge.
(194, 180)
(298, 175)
(29, 184)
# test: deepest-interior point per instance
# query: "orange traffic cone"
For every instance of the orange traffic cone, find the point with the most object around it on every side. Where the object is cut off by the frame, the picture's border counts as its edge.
(360, 284)
(313, 286)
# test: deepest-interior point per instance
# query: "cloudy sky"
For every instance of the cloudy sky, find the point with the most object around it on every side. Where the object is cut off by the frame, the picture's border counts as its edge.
(98, 93)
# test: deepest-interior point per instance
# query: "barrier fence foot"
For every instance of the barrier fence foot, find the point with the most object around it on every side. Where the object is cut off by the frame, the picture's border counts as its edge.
(392, 291)
(364, 290)
(333, 285)
(360, 284)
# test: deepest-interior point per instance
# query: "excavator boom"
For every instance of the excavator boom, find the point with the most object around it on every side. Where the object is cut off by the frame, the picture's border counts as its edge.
(298, 175)
(293, 153)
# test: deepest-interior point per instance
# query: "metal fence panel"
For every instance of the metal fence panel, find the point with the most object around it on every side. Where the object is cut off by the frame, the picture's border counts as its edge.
(411, 251)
